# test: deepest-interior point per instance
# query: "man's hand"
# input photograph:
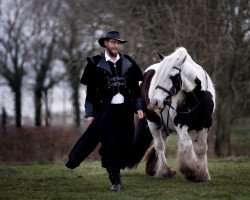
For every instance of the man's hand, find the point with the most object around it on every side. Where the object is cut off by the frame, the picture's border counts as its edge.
(89, 120)
(140, 114)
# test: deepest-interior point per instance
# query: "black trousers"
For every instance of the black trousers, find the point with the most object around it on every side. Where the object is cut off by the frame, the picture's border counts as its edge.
(113, 168)
(117, 139)
(117, 134)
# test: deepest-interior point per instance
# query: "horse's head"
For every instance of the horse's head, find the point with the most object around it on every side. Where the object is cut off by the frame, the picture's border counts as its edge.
(167, 88)
(168, 81)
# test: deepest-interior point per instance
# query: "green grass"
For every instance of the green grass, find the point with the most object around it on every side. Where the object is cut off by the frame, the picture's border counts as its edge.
(240, 137)
(230, 180)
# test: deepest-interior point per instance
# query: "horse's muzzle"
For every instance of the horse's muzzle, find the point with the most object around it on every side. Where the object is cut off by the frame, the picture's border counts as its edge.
(155, 105)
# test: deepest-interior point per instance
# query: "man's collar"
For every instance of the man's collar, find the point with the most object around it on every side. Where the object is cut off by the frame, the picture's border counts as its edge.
(108, 58)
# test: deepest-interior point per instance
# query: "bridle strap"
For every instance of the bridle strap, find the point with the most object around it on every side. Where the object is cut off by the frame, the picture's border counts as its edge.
(166, 128)
(167, 102)
(177, 69)
(164, 89)
(170, 92)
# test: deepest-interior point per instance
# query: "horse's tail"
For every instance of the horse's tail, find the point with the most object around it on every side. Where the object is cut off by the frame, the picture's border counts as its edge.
(142, 141)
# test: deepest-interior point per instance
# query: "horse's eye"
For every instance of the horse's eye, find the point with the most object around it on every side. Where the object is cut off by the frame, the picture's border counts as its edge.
(173, 79)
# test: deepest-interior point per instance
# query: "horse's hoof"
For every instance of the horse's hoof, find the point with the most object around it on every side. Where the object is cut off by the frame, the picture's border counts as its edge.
(194, 178)
(169, 174)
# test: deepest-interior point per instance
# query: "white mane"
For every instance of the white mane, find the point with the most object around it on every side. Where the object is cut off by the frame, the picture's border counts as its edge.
(168, 62)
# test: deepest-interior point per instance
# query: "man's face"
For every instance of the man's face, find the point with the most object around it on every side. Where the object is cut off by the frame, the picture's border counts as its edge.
(112, 46)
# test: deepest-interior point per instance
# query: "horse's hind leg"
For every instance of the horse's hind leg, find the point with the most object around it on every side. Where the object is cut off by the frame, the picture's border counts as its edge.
(189, 164)
(155, 159)
(200, 148)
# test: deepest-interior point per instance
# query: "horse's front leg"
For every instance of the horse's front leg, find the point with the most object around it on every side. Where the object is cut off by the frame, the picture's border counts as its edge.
(200, 148)
(155, 159)
(191, 159)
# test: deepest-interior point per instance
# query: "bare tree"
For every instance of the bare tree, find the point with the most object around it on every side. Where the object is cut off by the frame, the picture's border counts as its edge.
(13, 52)
(4, 118)
(233, 77)
(43, 56)
(77, 41)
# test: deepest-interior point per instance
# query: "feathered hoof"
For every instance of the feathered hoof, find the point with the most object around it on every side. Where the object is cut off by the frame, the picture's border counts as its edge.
(166, 173)
(169, 174)
(195, 178)
(192, 178)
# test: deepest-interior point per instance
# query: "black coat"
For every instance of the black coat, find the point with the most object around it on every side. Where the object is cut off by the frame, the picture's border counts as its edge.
(96, 75)
(114, 124)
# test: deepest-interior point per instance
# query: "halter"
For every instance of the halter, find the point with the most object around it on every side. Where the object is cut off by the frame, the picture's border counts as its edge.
(174, 89)
(168, 100)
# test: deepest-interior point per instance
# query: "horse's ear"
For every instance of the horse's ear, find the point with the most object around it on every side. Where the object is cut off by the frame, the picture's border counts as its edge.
(161, 56)
(184, 59)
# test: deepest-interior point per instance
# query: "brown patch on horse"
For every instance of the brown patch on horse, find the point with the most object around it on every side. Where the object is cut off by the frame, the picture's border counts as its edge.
(147, 77)
(150, 159)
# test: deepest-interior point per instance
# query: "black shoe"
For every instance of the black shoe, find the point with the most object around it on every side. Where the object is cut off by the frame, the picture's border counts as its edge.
(116, 187)
(71, 165)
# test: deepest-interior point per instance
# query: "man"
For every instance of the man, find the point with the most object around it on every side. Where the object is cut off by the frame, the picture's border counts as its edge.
(113, 96)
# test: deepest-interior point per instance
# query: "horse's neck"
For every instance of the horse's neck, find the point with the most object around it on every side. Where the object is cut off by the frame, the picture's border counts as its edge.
(190, 72)
(153, 80)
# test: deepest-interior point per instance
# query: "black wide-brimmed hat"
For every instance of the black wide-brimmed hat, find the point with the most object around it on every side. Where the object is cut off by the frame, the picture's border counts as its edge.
(115, 35)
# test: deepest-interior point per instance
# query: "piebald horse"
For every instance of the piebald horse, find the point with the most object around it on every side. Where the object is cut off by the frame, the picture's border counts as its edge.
(179, 96)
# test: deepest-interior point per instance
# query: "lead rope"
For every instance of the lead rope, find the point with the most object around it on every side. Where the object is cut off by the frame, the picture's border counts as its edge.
(166, 129)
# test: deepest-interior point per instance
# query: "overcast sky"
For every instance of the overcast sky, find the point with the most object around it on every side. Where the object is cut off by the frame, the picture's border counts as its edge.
(57, 101)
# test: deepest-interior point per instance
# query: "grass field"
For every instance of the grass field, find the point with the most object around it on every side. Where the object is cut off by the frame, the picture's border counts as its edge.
(230, 180)
(46, 177)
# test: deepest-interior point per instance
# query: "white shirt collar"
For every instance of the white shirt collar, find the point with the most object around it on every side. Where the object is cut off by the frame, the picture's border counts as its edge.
(108, 58)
